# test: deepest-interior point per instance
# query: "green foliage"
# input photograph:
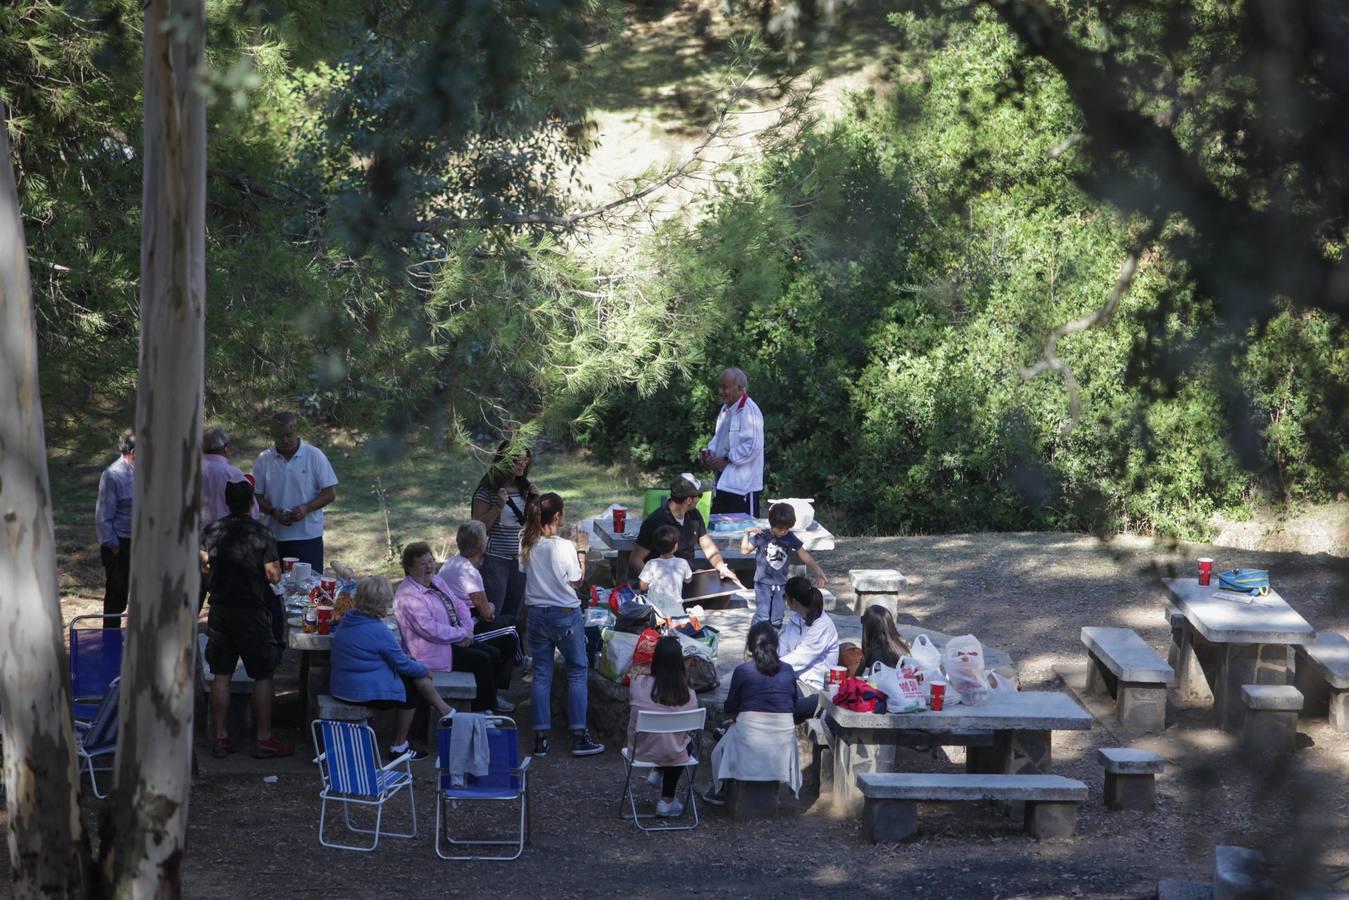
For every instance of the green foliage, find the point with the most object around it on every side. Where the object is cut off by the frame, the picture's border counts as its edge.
(884, 280)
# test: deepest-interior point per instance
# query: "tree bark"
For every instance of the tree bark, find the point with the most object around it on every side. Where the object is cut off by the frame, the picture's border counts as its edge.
(144, 827)
(48, 848)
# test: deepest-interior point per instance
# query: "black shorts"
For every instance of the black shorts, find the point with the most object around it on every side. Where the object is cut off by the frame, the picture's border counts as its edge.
(233, 632)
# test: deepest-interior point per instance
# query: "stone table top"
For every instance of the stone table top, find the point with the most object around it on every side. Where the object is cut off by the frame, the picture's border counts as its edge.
(1003, 711)
(814, 539)
(1266, 620)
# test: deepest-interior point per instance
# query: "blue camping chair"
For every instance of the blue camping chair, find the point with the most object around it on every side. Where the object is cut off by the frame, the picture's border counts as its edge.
(506, 781)
(98, 737)
(351, 772)
(95, 660)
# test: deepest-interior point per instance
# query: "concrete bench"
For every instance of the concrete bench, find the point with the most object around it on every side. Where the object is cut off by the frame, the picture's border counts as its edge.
(1323, 677)
(455, 685)
(1271, 718)
(329, 707)
(890, 810)
(1130, 777)
(879, 587)
(1123, 666)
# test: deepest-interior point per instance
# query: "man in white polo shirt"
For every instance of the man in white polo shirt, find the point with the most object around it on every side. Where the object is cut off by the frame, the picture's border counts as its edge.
(294, 482)
(736, 451)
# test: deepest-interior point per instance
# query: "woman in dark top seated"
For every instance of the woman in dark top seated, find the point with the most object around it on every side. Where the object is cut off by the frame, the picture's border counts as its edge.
(764, 684)
(881, 641)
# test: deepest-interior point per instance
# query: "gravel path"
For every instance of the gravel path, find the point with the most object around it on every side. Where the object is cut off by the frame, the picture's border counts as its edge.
(1027, 594)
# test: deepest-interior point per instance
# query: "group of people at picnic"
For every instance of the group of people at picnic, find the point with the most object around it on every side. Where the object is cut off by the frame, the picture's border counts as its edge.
(509, 596)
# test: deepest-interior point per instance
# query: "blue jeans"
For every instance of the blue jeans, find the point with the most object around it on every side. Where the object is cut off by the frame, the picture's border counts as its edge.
(552, 628)
(504, 584)
(769, 604)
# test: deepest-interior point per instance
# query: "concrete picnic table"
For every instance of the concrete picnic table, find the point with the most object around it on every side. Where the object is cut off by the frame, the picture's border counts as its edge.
(815, 539)
(1010, 733)
(1236, 643)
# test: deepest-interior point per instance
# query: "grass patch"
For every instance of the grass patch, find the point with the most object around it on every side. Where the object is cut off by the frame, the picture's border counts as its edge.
(379, 507)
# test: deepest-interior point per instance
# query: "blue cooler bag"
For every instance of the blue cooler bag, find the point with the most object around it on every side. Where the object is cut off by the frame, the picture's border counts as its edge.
(1245, 581)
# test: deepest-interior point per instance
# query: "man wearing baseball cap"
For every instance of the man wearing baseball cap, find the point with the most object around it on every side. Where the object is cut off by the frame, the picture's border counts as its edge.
(680, 511)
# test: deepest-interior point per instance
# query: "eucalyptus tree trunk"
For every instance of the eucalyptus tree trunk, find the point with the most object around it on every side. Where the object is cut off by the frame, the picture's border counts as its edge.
(144, 826)
(48, 851)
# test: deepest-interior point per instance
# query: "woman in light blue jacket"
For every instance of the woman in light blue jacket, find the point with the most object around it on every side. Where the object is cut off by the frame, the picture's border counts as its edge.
(809, 643)
(371, 669)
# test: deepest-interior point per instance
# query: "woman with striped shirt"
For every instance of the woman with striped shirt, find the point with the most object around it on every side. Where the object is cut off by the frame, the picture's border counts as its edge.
(500, 503)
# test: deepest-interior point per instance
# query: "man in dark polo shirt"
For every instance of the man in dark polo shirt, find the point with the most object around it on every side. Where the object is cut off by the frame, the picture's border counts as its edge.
(241, 556)
(681, 512)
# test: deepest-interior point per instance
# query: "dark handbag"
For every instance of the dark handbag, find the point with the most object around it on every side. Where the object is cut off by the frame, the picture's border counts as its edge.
(634, 617)
(702, 674)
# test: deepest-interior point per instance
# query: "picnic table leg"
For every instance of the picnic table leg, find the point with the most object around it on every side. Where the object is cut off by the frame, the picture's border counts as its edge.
(621, 566)
(1246, 664)
(1191, 683)
(848, 761)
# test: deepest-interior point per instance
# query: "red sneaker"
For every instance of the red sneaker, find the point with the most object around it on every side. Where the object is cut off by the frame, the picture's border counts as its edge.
(272, 748)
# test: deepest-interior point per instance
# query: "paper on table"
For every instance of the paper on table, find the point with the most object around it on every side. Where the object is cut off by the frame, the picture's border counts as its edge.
(1234, 597)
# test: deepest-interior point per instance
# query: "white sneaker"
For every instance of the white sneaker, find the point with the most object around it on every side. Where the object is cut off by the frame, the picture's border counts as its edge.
(504, 705)
(655, 778)
(669, 810)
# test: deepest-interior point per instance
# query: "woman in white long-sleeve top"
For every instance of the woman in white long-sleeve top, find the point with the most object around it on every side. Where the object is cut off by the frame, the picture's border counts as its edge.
(809, 643)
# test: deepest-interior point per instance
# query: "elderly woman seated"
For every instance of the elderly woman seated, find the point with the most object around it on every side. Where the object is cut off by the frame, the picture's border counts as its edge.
(437, 629)
(369, 668)
(462, 574)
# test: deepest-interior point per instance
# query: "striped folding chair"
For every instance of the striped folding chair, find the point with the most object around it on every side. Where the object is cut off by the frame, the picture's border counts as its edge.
(506, 781)
(98, 737)
(686, 721)
(352, 775)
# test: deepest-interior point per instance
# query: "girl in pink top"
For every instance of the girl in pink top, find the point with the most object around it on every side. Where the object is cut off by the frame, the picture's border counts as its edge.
(666, 689)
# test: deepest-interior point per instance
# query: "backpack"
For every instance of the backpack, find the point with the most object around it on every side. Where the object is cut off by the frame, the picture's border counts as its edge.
(1245, 581)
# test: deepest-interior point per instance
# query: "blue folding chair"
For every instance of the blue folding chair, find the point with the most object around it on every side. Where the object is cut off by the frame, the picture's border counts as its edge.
(95, 660)
(506, 781)
(97, 737)
(351, 772)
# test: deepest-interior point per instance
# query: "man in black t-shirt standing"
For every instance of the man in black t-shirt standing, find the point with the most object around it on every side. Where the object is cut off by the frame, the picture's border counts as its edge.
(680, 511)
(241, 556)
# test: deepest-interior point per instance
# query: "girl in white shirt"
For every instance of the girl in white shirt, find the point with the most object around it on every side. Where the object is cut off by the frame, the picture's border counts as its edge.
(554, 568)
(809, 643)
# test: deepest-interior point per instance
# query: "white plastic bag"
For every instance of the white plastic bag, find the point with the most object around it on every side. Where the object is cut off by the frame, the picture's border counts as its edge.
(926, 656)
(963, 659)
(1000, 684)
(616, 653)
(902, 692)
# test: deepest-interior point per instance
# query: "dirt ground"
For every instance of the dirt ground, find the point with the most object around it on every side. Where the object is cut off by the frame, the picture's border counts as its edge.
(1027, 594)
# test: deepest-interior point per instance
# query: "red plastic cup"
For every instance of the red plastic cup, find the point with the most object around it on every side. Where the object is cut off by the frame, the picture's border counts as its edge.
(325, 618)
(328, 586)
(1205, 570)
(620, 520)
(938, 694)
(288, 562)
(837, 674)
